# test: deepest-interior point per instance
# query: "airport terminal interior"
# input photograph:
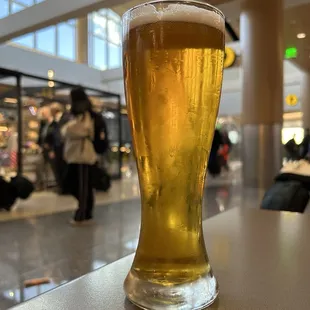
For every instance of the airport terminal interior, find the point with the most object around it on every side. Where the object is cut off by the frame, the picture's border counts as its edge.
(50, 47)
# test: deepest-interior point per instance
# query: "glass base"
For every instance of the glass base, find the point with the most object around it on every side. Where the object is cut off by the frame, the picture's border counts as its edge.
(194, 295)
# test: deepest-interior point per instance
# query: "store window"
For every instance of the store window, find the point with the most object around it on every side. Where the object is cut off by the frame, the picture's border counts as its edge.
(46, 40)
(66, 41)
(4, 8)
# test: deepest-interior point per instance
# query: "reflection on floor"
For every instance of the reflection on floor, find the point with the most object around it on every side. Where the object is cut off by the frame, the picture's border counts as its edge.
(46, 246)
(44, 203)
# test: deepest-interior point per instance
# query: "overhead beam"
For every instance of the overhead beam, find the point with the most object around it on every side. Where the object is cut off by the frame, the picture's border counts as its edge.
(47, 13)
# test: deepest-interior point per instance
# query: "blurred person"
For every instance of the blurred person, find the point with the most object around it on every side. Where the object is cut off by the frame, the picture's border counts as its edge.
(291, 148)
(80, 155)
(60, 119)
(12, 144)
(305, 144)
(214, 165)
(225, 150)
(46, 142)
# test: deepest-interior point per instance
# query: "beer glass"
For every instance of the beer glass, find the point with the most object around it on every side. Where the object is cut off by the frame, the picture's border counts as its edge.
(173, 68)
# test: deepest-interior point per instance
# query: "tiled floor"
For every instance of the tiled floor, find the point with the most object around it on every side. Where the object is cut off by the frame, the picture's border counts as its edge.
(39, 243)
(45, 203)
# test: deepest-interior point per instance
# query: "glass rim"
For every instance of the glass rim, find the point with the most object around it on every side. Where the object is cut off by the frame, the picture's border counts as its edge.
(205, 5)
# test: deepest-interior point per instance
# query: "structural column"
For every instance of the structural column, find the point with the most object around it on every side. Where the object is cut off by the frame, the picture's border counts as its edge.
(261, 38)
(82, 40)
(305, 100)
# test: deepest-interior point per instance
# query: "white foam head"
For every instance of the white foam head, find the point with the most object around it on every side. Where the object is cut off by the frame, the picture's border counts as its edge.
(148, 14)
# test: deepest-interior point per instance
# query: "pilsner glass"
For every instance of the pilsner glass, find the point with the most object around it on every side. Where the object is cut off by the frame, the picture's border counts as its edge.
(173, 69)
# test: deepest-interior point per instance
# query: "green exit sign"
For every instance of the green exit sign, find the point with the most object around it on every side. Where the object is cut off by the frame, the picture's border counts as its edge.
(291, 52)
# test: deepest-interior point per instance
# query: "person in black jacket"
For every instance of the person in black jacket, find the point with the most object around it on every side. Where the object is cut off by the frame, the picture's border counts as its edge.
(305, 144)
(214, 165)
(46, 142)
(292, 152)
(61, 118)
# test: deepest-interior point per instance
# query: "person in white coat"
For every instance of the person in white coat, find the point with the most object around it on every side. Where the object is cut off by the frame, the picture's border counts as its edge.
(80, 155)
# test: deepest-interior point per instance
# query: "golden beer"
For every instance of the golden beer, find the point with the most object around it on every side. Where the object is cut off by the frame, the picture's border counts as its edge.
(173, 70)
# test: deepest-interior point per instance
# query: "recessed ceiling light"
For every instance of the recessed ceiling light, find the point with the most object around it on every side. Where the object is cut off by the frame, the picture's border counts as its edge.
(301, 35)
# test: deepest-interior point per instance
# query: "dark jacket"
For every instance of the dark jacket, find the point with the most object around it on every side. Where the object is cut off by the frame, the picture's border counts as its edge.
(47, 139)
(305, 146)
(214, 166)
(217, 142)
(65, 118)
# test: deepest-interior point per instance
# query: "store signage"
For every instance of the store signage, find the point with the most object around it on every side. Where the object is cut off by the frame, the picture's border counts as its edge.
(230, 57)
(291, 100)
(291, 53)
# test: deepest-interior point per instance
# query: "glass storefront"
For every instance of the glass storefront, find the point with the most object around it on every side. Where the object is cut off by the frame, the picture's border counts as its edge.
(19, 122)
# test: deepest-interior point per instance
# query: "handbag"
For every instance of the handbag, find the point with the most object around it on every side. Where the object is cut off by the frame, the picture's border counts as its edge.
(24, 187)
(101, 180)
(8, 194)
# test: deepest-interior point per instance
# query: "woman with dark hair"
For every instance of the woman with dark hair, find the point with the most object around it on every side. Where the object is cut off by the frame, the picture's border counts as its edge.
(80, 155)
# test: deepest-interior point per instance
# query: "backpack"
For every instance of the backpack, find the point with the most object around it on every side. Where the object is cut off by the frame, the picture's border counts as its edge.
(100, 142)
(8, 195)
(101, 181)
(214, 165)
(286, 196)
(24, 188)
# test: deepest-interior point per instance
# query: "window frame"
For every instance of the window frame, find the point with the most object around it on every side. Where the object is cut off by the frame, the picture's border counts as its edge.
(104, 13)
(74, 27)
(36, 34)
